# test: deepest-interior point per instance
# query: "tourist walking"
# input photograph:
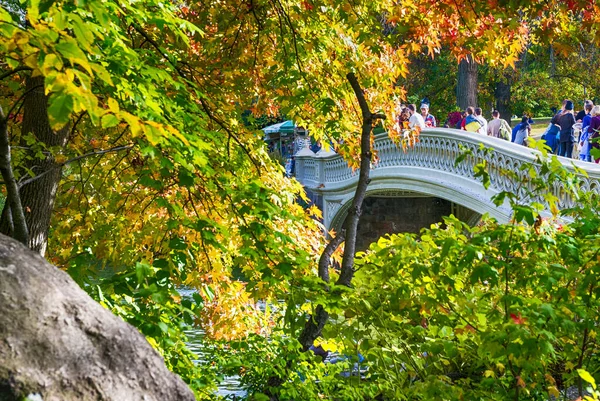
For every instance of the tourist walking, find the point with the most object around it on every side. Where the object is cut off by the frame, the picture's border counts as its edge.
(565, 120)
(584, 138)
(581, 114)
(415, 120)
(594, 130)
(498, 127)
(470, 122)
(522, 131)
(478, 115)
(428, 118)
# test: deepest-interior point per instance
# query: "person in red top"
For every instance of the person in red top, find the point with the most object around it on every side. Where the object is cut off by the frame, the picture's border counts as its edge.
(594, 128)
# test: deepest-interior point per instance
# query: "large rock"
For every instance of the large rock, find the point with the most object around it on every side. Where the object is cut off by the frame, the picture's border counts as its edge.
(56, 343)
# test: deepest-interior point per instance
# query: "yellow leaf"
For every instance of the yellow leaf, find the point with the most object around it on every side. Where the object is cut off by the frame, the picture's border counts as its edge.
(489, 373)
(5, 16)
(113, 105)
(51, 61)
(584, 374)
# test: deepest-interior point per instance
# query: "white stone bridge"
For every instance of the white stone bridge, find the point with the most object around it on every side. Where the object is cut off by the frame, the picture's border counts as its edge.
(428, 170)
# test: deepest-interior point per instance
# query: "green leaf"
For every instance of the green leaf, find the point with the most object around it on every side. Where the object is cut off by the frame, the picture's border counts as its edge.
(185, 179)
(524, 213)
(109, 121)
(60, 108)
(69, 49)
(102, 73)
(177, 243)
(4, 15)
(82, 32)
(446, 248)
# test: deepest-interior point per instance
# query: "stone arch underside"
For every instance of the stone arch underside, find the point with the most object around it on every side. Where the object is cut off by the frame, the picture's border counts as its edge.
(469, 202)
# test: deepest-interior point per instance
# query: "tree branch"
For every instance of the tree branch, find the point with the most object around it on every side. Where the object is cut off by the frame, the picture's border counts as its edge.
(22, 97)
(351, 221)
(315, 324)
(202, 101)
(11, 72)
(20, 230)
(61, 165)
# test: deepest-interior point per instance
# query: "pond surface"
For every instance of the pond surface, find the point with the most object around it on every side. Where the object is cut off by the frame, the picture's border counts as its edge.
(230, 387)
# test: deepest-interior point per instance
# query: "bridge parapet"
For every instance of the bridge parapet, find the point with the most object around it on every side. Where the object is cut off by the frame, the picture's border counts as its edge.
(429, 168)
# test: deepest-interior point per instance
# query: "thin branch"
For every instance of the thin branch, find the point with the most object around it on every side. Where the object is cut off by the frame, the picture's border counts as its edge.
(60, 165)
(462, 18)
(11, 72)
(229, 132)
(27, 92)
(21, 231)
(202, 101)
(79, 118)
(202, 243)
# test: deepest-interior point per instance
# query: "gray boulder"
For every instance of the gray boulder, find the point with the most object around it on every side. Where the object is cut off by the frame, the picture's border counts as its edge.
(57, 343)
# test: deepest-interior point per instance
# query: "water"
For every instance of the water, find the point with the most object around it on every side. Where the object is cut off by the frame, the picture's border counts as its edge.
(230, 387)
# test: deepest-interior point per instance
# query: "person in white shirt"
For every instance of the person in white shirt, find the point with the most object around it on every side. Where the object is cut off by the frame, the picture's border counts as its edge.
(483, 130)
(415, 119)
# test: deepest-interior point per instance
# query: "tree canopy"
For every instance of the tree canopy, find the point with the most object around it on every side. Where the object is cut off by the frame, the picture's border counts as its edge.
(128, 156)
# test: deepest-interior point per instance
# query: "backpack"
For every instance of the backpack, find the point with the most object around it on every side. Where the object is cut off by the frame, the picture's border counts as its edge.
(473, 126)
(504, 131)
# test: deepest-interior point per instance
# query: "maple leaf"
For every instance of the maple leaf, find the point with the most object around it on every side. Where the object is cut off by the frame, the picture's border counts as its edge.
(518, 319)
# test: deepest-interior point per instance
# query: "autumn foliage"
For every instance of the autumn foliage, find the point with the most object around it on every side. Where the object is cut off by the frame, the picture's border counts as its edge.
(165, 178)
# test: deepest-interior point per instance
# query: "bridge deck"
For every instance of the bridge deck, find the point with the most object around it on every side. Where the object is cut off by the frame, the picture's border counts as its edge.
(430, 168)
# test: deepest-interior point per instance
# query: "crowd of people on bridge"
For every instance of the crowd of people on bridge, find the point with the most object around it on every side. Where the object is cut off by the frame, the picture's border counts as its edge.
(566, 132)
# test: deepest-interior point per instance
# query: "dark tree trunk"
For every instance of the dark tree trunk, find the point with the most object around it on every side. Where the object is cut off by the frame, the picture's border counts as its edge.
(315, 324)
(466, 88)
(502, 94)
(37, 197)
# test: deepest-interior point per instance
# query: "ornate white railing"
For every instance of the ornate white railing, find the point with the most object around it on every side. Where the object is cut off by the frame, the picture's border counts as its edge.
(433, 160)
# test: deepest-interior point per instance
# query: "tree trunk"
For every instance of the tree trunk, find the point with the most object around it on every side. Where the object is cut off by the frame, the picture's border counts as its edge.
(37, 197)
(502, 94)
(466, 88)
(315, 324)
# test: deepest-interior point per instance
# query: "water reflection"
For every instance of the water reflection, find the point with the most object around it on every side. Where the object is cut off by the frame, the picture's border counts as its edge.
(230, 387)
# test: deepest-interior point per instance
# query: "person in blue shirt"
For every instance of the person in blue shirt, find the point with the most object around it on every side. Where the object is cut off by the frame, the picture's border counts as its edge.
(523, 124)
(584, 143)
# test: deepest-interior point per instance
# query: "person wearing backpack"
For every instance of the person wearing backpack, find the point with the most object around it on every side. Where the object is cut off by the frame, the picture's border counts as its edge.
(498, 127)
(471, 123)
(565, 120)
(521, 132)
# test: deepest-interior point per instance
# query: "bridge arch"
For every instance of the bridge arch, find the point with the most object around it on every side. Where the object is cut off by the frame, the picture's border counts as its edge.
(470, 211)
(429, 168)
